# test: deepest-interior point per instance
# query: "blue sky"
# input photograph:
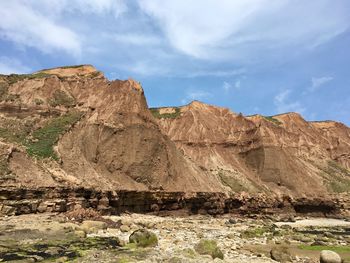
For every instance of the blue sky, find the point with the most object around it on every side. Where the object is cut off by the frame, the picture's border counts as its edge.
(253, 56)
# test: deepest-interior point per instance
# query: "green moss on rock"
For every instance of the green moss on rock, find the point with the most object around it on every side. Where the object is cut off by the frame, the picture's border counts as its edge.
(209, 247)
(143, 238)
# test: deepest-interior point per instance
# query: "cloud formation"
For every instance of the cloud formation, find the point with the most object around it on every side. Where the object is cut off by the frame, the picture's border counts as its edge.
(12, 65)
(195, 94)
(318, 82)
(28, 28)
(207, 29)
(284, 104)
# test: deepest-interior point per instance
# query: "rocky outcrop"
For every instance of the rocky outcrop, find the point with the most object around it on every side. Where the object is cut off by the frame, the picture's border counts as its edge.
(15, 201)
(72, 134)
(282, 153)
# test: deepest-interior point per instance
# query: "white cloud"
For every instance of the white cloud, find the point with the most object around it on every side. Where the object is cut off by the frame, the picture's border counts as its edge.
(318, 82)
(136, 39)
(283, 103)
(244, 28)
(195, 94)
(95, 7)
(12, 65)
(226, 86)
(144, 68)
(237, 84)
(216, 73)
(116, 7)
(26, 27)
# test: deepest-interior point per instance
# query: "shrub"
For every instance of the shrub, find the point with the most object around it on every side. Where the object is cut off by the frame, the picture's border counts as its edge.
(62, 98)
(46, 137)
(273, 120)
(13, 78)
(156, 114)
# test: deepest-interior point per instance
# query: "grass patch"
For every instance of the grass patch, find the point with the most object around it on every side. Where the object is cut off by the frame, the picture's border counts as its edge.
(273, 120)
(337, 177)
(38, 143)
(46, 137)
(13, 78)
(67, 67)
(156, 114)
(332, 165)
(255, 232)
(94, 74)
(340, 186)
(5, 96)
(15, 131)
(61, 98)
(338, 249)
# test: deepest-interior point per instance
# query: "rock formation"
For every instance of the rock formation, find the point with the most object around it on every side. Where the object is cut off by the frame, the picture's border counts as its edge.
(70, 128)
(282, 153)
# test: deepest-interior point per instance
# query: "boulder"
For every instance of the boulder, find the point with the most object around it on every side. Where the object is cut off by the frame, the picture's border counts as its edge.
(124, 228)
(90, 226)
(281, 255)
(328, 256)
(143, 238)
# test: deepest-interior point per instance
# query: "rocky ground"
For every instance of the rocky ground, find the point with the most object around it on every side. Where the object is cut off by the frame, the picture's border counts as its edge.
(68, 238)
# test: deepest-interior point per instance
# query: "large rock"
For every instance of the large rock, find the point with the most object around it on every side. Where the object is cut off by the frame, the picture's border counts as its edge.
(281, 255)
(90, 226)
(328, 256)
(143, 238)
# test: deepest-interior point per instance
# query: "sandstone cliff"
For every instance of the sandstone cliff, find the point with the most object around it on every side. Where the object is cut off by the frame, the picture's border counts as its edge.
(71, 127)
(283, 154)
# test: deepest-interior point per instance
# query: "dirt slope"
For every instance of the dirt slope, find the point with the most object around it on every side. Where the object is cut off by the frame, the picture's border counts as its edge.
(282, 154)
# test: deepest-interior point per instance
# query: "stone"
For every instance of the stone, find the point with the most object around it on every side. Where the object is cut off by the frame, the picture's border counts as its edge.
(80, 233)
(328, 256)
(232, 221)
(319, 243)
(90, 226)
(8, 210)
(53, 251)
(281, 255)
(143, 238)
(328, 234)
(124, 228)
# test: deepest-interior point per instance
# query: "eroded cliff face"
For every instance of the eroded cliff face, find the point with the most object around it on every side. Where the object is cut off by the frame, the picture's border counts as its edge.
(73, 127)
(283, 154)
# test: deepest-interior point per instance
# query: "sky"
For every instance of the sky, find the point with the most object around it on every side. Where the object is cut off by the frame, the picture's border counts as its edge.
(252, 56)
